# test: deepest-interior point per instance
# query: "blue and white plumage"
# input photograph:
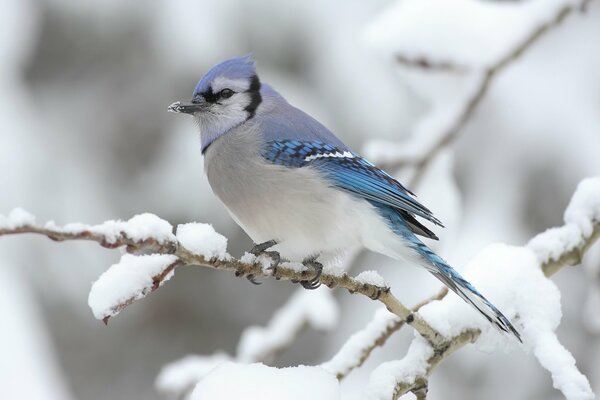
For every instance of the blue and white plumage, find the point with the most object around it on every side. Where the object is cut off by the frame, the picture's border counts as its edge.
(285, 177)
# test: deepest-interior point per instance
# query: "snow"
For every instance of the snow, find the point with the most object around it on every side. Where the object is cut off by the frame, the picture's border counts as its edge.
(580, 216)
(182, 375)
(146, 226)
(294, 266)
(248, 258)
(17, 218)
(138, 228)
(371, 278)
(128, 280)
(203, 240)
(266, 262)
(386, 376)
(463, 33)
(558, 360)
(512, 279)
(584, 206)
(260, 382)
(316, 308)
(353, 349)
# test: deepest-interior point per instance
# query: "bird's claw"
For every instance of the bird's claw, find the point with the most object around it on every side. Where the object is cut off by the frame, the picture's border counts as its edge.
(376, 295)
(315, 282)
(261, 249)
(253, 280)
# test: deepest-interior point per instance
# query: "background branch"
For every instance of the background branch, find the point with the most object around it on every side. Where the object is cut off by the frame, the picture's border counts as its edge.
(420, 162)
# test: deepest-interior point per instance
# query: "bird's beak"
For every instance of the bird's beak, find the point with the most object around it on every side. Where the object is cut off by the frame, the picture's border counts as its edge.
(185, 107)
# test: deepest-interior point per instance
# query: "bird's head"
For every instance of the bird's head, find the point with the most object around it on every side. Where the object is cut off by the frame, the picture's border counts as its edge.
(225, 97)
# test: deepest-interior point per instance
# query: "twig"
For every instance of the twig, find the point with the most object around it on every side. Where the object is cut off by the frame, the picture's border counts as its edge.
(572, 257)
(549, 267)
(187, 257)
(420, 163)
(341, 371)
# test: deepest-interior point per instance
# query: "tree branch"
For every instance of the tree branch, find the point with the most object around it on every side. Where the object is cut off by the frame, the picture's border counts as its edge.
(185, 256)
(358, 348)
(421, 162)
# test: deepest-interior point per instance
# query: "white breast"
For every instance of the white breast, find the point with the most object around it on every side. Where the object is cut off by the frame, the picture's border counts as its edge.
(294, 206)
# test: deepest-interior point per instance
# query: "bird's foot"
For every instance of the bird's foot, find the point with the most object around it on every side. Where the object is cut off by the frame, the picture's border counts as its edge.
(315, 282)
(261, 249)
(250, 277)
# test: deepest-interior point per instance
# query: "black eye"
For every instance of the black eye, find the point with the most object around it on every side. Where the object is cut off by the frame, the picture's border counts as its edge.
(226, 93)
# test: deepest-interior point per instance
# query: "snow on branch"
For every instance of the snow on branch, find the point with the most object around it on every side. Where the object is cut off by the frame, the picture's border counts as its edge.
(194, 244)
(238, 381)
(501, 272)
(484, 53)
(131, 279)
(359, 346)
(444, 326)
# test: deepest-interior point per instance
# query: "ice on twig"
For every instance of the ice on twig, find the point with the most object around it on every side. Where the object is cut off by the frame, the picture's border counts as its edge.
(182, 375)
(17, 218)
(203, 240)
(258, 381)
(132, 278)
(316, 308)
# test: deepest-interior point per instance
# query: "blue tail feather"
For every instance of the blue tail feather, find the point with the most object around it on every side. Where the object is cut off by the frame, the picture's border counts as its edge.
(446, 274)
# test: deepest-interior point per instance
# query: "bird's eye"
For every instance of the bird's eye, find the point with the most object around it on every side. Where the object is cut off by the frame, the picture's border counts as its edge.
(226, 93)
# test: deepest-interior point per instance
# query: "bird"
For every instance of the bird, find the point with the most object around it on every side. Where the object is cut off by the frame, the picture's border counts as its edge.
(298, 191)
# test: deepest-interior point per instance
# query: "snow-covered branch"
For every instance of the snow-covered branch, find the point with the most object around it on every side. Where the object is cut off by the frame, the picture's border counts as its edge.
(533, 21)
(443, 322)
(194, 244)
(543, 256)
(556, 248)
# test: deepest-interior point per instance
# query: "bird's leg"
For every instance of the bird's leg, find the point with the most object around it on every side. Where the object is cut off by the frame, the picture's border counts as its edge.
(260, 249)
(318, 268)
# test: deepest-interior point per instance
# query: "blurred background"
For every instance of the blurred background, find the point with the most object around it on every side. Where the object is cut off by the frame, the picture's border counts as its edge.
(85, 136)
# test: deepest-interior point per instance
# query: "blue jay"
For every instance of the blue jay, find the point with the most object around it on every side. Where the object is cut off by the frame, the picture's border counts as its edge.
(294, 187)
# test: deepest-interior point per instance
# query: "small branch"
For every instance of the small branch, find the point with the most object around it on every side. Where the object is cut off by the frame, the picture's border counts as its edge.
(187, 257)
(572, 257)
(572, 240)
(549, 267)
(424, 63)
(439, 354)
(359, 347)
(421, 162)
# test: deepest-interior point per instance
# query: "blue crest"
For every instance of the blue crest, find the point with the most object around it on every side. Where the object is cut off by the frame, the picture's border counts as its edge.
(242, 67)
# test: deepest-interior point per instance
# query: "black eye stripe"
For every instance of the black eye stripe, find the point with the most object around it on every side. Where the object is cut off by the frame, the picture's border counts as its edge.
(209, 96)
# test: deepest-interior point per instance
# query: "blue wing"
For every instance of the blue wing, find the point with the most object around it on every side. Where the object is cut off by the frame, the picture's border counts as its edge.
(349, 172)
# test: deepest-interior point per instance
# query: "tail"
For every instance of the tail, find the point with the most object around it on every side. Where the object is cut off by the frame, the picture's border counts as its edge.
(459, 285)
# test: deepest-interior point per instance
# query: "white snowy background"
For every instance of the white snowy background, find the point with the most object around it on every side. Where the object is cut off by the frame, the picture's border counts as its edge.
(85, 136)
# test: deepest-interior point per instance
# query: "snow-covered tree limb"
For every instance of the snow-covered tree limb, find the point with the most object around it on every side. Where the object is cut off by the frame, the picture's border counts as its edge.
(391, 156)
(194, 244)
(555, 249)
(198, 244)
(357, 348)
